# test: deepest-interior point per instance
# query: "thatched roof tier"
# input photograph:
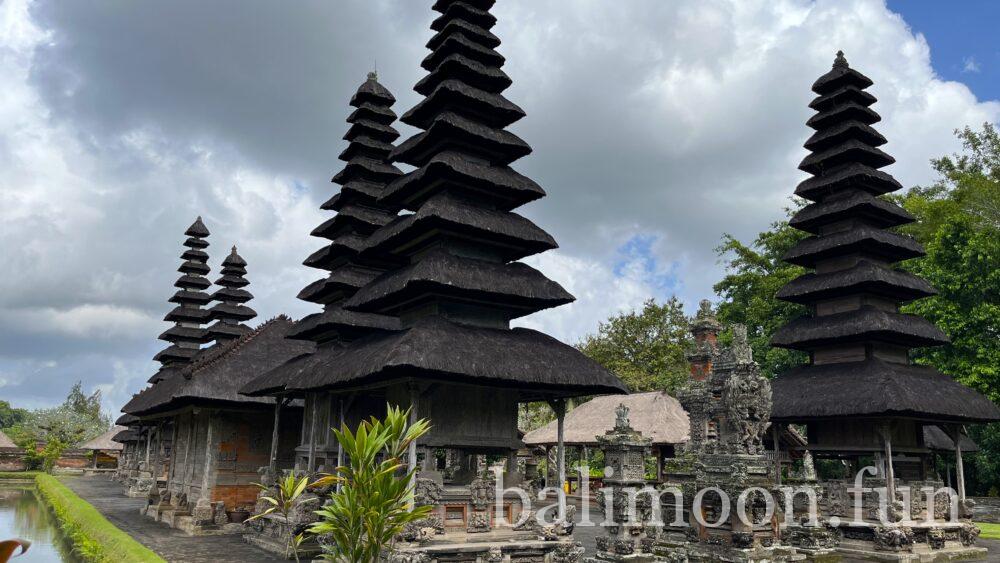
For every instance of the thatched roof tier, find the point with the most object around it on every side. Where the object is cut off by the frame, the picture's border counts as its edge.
(874, 211)
(507, 235)
(859, 325)
(434, 348)
(874, 388)
(855, 293)
(864, 277)
(216, 376)
(495, 110)
(450, 131)
(126, 436)
(340, 284)
(500, 186)
(863, 239)
(106, 441)
(459, 67)
(6, 443)
(847, 177)
(334, 322)
(938, 440)
(466, 11)
(126, 420)
(359, 214)
(656, 414)
(187, 335)
(230, 313)
(840, 76)
(515, 288)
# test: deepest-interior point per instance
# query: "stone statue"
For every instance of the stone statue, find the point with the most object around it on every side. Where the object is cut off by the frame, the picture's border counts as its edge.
(621, 418)
(742, 352)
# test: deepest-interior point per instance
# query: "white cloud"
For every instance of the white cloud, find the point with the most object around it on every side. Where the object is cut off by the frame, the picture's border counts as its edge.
(970, 64)
(669, 121)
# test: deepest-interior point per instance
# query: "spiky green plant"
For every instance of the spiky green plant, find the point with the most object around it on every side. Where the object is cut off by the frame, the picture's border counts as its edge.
(373, 503)
(288, 492)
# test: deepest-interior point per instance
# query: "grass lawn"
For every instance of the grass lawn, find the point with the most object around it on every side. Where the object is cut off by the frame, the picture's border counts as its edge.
(990, 531)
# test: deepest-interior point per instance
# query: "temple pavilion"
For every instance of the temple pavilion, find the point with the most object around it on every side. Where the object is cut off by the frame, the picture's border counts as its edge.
(105, 450)
(435, 332)
(219, 439)
(861, 399)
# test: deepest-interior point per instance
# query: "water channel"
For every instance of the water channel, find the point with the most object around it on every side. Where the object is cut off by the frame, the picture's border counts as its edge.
(22, 515)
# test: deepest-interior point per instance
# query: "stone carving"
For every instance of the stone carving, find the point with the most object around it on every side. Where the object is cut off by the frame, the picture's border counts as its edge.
(935, 538)
(622, 423)
(427, 492)
(495, 554)
(482, 492)
(409, 557)
(568, 553)
(478, 522)
(747, 396)
(220, 517)
(968, 534)
(202, 513)
(893, 538)
(742, 353)
(808, 467)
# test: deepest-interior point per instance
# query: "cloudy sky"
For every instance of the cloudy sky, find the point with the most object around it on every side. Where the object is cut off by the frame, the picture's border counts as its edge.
(657, 127)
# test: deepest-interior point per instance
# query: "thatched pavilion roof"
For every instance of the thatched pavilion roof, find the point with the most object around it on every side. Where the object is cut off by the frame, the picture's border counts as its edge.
(6, 442)
(937, 439)
(104, 441)
(656, 414)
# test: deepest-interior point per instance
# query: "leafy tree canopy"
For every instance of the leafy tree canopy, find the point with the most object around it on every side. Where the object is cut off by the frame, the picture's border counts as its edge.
(645, 348)
(78, 419)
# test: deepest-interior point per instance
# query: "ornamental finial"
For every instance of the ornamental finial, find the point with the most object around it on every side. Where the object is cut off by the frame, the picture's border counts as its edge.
(840, 61)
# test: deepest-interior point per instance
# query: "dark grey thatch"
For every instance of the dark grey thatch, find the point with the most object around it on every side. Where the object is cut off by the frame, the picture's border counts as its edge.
(866, 323)
(656, 414)
(127, 420)
(524, 289)
(231, 311)
(862, 239)
(874, 388)
(503, 147)
(187, 335)
(938, 440)
(125, 436)
(437, 349)
(106, 441)
(511, 235)
(864, 277)
(860, 205)
(222, 370)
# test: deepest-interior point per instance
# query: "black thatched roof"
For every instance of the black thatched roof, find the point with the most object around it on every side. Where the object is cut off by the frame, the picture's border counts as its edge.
(518, 288)
(855, 293)
(126, 420)
(185, 339)
(874, 388)
(231, 312)
(938, 440)
(437, 349)
(125, 436)
(218, 374)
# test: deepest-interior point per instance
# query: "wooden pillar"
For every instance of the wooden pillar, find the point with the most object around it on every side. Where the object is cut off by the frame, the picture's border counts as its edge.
(209, 460)
(775, 435)
(959, 468)
(188, 463)
(95, 458)
(559, 406)
(411, 454)
(172, 471)
(276, 427)
(149, 444)
(311, 463)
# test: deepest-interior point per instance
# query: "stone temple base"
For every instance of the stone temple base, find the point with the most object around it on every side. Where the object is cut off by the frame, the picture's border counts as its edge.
(919, 543)
(680, 551)
(270, 533)
(484, 549)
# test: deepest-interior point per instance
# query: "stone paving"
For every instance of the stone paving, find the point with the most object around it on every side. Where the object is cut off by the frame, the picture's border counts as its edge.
(174, 546)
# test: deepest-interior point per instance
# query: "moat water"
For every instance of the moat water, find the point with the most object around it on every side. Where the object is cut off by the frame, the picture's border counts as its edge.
(22, 515)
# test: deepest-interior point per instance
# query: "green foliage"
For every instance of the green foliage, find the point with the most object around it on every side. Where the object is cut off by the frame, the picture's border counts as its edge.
(78, 419)
(288, 492)
(754, 273)
(989, 531)
(959, 226)
(372, 505)
(10, 416)
(94, 539)
(646, 348)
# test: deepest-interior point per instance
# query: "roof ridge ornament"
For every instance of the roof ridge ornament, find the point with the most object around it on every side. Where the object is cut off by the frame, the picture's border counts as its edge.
(840, 61)
(742, 352)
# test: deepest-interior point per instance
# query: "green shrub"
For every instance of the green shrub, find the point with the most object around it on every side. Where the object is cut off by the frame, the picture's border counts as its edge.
(94, 539)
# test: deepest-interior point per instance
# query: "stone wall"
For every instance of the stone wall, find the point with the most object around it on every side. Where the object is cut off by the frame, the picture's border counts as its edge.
(74, 458)
(11, 459)
(987, 509)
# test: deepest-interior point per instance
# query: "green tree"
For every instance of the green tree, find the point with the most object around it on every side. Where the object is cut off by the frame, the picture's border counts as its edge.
(645, 348)
(754, 273)
(372, 505)
(11, 416)
(79, 418)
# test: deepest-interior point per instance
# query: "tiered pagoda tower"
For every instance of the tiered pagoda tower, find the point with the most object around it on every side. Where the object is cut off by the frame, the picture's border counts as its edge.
(187, 335)
(359, 214)
(231, 312)
(859, 395)
(453, 284)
